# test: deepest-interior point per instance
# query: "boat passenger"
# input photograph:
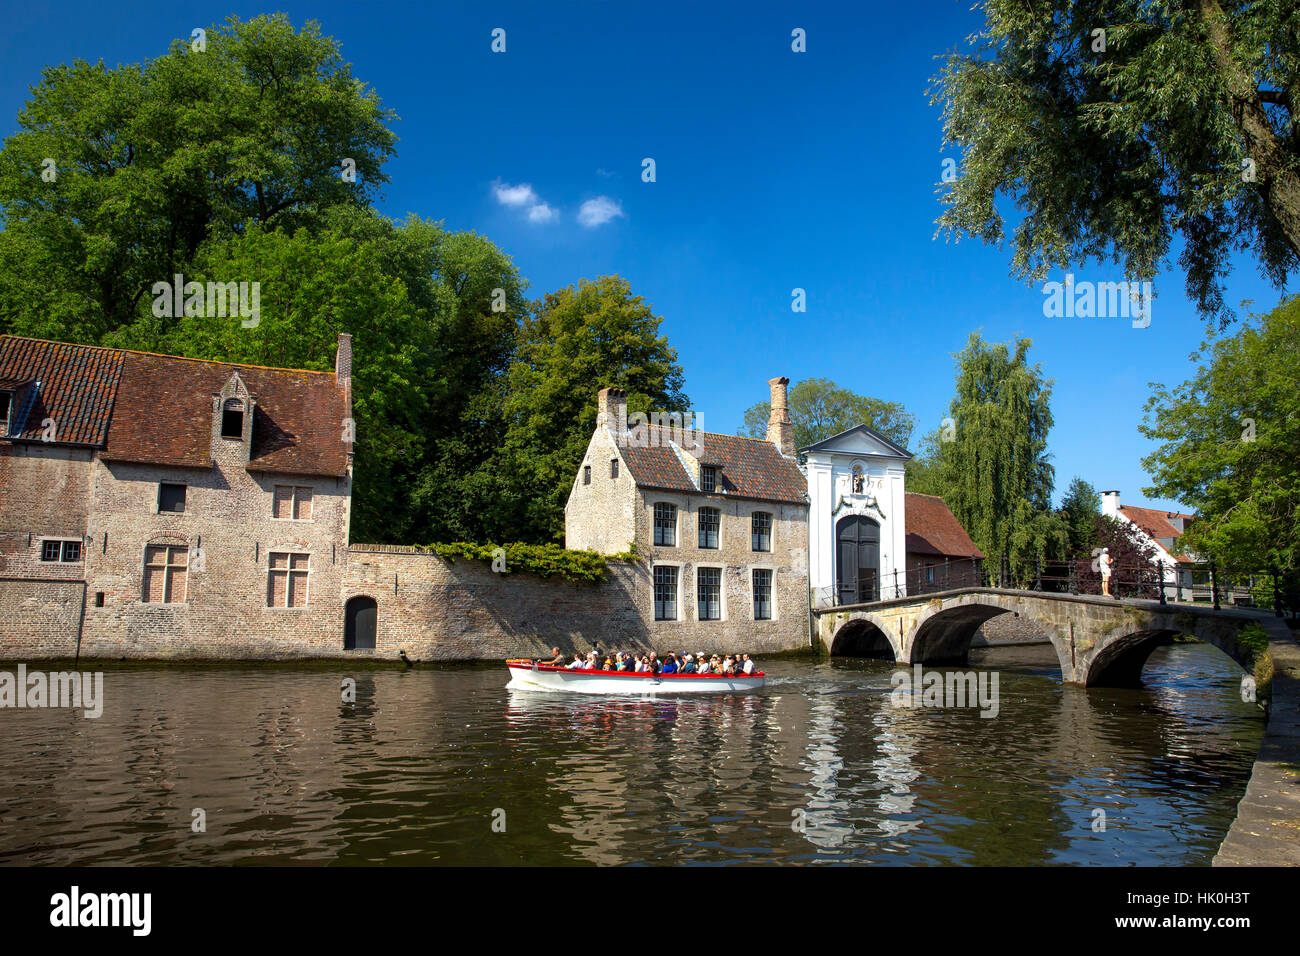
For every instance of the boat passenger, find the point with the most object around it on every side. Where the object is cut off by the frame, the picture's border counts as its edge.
(557, 659)
(670, 665)
(688, 665)
(748, 666)
(577, 663)
(653, 664)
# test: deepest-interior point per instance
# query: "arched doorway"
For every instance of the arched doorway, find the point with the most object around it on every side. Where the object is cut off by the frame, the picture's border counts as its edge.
(360, 621)
(857, 563)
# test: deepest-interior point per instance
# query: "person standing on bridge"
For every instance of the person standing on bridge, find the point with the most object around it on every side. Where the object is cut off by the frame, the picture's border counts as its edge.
(1103, 563)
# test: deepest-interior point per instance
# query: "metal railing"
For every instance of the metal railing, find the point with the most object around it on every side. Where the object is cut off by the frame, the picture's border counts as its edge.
(1208, 584)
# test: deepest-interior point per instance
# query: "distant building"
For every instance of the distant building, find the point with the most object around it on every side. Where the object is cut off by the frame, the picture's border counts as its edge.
(719, 521)
(940, 554)
(150, 501)
(868, 538)
(1161, 530)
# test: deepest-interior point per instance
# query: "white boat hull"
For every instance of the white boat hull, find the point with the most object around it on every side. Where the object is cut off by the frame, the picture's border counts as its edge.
(525, 675)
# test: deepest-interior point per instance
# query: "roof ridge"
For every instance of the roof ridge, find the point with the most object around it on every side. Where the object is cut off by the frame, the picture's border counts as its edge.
(179, 358)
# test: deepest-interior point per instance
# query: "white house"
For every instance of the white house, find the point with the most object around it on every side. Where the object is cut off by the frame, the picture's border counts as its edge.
(857, 535)
(1161, 531)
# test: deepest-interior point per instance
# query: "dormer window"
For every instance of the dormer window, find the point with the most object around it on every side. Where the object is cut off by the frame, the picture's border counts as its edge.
(232, 419)
(708, 478)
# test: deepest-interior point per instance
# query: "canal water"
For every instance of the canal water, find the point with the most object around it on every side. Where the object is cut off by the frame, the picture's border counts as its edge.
(446, 766)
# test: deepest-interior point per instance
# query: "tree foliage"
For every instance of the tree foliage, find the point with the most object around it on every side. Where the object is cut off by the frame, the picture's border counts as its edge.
(1229, 437)
(153, 160)
(995, 473)
(819, 409)
(1080, 509)
(574, 342)
(1179, 120)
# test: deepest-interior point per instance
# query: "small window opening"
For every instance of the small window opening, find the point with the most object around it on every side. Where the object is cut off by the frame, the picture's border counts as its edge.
(232, 419)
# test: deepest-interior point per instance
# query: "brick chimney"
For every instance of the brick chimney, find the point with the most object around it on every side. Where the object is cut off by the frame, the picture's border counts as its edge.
(779, 430)
(343, 360)
(611, 409)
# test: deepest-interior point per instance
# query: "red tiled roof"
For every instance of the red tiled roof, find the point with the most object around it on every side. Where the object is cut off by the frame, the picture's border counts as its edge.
(77, 387)
(933, 529)
(157, 409)
(747, 467)
(1156, 525)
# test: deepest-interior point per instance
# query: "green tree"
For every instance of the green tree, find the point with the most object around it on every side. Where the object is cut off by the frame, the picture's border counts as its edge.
(819, 409)
(1228, 444)
(1180, 118)
(1080, 509)
(151, 160)
(576, 341)
(429, 351)
(992, 468)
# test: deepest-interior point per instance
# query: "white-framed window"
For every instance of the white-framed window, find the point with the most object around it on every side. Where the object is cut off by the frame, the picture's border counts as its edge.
(761, 579)
(709, 478)
(665, 525)
(665, 585)
(292, 503)
(710, 521)
(286, 579)
(708, 593)
(761, 531)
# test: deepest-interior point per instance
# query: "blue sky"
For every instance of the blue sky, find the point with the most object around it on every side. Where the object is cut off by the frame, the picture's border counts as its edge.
(775, 170)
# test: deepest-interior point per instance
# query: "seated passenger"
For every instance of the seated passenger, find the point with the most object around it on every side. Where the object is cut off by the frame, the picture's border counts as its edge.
(577, 663)
(670, 665)
(688, 665)
(748, 666)
(556, 659)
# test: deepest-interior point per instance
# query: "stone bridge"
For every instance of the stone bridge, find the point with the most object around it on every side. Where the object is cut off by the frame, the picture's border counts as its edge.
(1099, 641)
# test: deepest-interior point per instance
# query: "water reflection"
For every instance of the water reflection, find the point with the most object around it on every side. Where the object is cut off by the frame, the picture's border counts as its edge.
(817, 768)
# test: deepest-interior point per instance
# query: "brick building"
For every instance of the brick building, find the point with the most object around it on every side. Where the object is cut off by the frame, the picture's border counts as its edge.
(719, 521)
(151, 504)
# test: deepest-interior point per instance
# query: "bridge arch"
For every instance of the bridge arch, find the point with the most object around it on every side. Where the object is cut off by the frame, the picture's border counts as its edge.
(943, 635)
(862, 637)
(1120, 659)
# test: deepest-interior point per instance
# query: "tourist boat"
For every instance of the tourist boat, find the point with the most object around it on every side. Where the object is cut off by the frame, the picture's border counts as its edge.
(530, 675)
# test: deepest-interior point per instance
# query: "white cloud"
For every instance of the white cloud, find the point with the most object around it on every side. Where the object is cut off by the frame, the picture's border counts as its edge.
(598, 211)
(521, 195)
(541, 213)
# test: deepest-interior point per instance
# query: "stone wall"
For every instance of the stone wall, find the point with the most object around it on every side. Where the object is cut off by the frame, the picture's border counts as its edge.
(737, 630)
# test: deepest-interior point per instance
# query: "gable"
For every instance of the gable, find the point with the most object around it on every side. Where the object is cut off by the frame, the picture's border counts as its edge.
(860, 441)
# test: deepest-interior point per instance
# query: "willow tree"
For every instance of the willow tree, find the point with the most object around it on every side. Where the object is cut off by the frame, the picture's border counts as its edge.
(991, 463)
(1116, 124)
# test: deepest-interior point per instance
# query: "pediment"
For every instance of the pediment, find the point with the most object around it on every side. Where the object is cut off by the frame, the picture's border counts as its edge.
(860, 442)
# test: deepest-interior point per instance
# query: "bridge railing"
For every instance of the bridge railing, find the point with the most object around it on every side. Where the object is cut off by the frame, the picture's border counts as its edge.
(1200, 583)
